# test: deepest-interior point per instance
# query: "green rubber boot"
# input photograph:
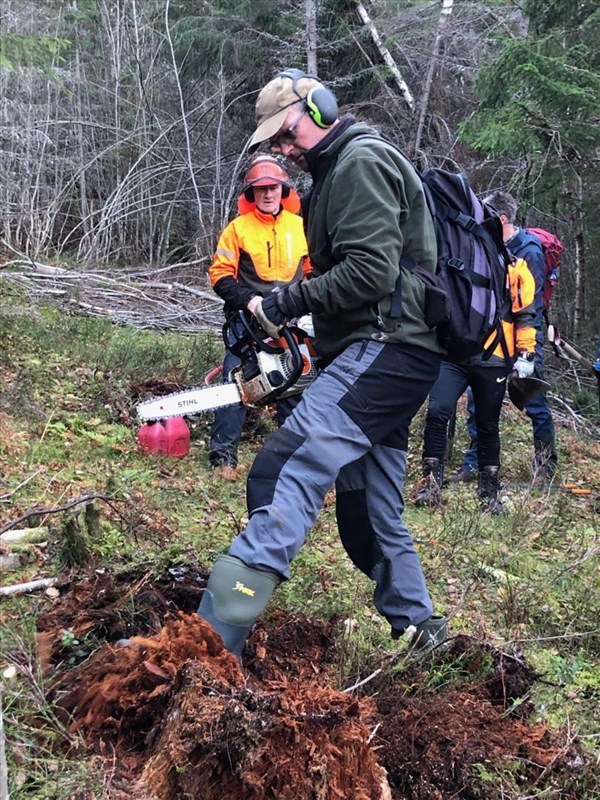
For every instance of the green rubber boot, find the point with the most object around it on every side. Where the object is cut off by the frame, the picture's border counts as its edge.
(429, 634)
(235, 596)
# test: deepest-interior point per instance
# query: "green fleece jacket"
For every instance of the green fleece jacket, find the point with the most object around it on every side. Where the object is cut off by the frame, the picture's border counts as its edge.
(366, 211)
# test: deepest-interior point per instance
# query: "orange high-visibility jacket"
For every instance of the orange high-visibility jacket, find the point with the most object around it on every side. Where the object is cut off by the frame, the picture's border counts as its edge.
(259, 252)
(516, 323)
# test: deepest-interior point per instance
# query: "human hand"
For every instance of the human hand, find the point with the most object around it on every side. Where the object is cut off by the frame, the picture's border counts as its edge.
(268, 314)
(524, 365)
(252, 303)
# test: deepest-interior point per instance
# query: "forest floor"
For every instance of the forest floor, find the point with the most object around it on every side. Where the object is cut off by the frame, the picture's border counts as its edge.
(174, 716)
(326, 704)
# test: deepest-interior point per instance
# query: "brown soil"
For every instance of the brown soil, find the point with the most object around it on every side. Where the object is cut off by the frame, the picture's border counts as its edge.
(176, 717)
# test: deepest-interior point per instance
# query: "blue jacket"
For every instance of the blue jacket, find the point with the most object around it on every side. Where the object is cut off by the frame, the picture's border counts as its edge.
(527, 245)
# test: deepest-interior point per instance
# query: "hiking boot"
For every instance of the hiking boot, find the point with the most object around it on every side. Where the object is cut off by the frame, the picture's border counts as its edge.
(429, 493)
(464, 475)
(488, 488)
(429, 635)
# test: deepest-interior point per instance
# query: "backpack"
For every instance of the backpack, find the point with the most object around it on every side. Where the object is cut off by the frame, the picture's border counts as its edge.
(468, 294)
(471, 270)
(552, 248)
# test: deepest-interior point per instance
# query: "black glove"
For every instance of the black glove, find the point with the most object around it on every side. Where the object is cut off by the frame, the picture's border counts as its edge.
(291, 300)
(276, 308)
(268, 315)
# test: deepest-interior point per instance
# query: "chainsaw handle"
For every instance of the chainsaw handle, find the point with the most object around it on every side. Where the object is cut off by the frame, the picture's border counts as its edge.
(297, 366)
(297, 362)
(241, 328)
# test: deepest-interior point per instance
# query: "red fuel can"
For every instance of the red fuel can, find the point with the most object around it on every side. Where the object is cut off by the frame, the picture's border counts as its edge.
(170, 437)
(178, 437)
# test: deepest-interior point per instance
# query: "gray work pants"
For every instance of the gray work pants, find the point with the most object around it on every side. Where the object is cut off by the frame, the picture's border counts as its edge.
(351, 429)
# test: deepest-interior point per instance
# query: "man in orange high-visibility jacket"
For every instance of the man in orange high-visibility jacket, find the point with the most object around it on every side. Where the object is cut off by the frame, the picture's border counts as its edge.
(487, 379)
(260, 250)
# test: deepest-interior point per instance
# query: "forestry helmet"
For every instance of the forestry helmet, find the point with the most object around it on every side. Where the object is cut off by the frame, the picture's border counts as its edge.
(263, 171)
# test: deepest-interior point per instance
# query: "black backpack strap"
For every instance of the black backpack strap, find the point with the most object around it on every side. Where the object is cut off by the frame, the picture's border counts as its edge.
(499, 339)
(499, 336)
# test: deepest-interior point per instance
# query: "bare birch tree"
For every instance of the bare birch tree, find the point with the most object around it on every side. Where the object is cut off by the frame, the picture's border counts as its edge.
(310, 9)
(435, 52)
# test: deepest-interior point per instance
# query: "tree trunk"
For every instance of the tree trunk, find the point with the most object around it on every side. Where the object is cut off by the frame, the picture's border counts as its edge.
(311, 36)
(442, 21)
(579, 265)
(386, 55)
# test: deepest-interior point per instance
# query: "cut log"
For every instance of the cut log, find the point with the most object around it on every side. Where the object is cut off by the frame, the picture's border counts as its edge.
(25, 535)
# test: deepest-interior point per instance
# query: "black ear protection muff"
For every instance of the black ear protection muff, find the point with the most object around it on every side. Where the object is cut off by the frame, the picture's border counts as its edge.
(321, 105)
(249, 192)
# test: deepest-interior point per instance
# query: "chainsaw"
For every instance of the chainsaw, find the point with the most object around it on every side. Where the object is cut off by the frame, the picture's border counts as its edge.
(270, 369)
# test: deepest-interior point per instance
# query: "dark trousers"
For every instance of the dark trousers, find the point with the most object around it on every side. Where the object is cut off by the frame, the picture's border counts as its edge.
(229, 422)
(488, 384)
(537, 410)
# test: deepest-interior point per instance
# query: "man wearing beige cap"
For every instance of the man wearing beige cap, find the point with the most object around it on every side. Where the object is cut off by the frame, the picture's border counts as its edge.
(367, 226)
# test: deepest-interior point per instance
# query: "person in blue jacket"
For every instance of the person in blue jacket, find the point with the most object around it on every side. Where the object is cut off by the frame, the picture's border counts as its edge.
(521, 244)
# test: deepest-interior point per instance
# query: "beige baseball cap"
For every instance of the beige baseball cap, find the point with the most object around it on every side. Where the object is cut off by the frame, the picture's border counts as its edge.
(273, 104)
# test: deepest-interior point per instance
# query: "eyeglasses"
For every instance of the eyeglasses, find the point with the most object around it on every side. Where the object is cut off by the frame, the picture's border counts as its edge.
(287, 134)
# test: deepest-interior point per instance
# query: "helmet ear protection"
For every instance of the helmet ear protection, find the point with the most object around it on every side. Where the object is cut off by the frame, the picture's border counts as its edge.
(320, 103)
(249, 192)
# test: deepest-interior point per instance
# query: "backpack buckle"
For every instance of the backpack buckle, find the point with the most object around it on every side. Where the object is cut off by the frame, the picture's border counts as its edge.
(456, 263)
(465, 221)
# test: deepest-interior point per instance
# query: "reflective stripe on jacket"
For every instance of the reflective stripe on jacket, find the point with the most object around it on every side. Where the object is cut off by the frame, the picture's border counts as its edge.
(261, 251)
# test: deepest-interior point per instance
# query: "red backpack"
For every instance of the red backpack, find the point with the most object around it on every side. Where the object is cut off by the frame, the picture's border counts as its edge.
(552, 247)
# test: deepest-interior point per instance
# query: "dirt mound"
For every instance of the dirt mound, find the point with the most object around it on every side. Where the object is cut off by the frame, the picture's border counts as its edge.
(181, 701)
(180, 719)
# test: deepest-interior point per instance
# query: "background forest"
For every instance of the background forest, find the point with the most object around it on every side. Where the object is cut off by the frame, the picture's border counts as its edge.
(123, 121)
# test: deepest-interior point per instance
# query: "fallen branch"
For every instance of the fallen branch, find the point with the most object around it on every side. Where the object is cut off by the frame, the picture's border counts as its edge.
(40, 512)
(25, 588)
(364, 680)
(128, 296)
(577, 418)
(24, 536)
